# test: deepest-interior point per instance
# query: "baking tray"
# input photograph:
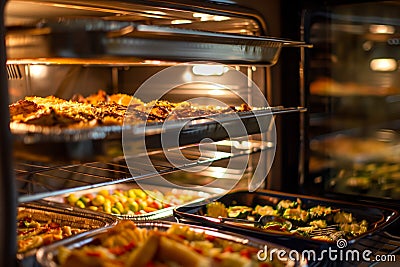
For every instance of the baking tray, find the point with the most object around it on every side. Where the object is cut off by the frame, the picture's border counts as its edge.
(47, 256)
(49, 144)
(377, 217)
(107, 39)
(64, 215)
(204, 126)
(159, 214)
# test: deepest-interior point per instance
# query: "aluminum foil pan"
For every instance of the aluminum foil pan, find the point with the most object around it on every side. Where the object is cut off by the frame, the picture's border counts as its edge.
(65, 216)
(47, 256)
(193, 196)
(117, 39)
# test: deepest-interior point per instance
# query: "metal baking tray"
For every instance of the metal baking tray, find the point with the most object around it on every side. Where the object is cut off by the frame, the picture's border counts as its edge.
(110, 39)
(159, 214)
(376, 217)
(47, 256)
(204, 126)
(44, 211)
(104, 142)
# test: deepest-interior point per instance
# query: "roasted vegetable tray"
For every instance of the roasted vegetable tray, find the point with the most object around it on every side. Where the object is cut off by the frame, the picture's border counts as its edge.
(42, 223)
(129, 201)
(376, 218)
(187, 246)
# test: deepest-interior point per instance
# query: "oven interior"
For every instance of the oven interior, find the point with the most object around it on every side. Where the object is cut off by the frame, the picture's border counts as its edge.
(67, 61)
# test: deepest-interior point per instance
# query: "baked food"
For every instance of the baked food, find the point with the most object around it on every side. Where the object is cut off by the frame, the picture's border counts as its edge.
(129, 245)
(103, 109)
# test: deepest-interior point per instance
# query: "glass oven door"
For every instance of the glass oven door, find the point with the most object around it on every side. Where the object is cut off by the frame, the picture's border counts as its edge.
(353, 78)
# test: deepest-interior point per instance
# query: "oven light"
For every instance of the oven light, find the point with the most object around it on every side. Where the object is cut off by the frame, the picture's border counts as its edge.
(180, 21)
(383, 64)
(381, 29)
(209, 70)
(38, 71)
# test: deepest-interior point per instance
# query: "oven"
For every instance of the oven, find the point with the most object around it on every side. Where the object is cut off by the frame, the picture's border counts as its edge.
(210, 53)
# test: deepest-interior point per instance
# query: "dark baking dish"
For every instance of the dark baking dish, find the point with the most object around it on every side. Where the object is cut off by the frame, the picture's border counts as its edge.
(378, 218)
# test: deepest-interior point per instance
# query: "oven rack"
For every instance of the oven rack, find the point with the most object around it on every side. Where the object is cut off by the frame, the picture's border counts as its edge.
(381, 243)
(36, 181)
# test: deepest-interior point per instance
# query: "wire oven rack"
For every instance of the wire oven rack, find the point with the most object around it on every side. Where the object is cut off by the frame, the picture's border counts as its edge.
(382, 243)
(36, 181)
(379, 244)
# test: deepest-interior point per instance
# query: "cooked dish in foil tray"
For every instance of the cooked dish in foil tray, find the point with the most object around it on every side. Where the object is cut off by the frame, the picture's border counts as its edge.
(40, 224)
(159, 244)
(103, 109)
(130, 201)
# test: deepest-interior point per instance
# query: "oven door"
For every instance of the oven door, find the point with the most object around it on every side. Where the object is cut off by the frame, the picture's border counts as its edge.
(353, 92)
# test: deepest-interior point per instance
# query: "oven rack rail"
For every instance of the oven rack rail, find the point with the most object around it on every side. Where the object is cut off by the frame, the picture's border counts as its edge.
(36, 181)
(108, 41)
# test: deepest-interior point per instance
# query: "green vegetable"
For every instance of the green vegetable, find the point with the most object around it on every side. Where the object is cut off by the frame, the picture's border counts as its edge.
(239, 212)
(286, 204)
(264, 210)
(80, 204)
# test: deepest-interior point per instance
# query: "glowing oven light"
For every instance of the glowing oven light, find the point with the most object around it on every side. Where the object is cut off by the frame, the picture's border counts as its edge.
(383, 64)
(38, 71)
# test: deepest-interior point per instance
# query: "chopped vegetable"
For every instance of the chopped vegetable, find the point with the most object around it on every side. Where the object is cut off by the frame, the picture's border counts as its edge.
(134, 201)
(264, 210)
(305, 222)
(216, 209)
(240, 212)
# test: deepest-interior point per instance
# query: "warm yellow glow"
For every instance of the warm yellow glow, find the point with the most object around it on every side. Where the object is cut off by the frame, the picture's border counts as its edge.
(208, 17)
(216, 92)
(180, 21)
(383, 64)
(382, 29)
(155, 12)
(209, 70)
(220, 18)
(153, 62)
(38, 71)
